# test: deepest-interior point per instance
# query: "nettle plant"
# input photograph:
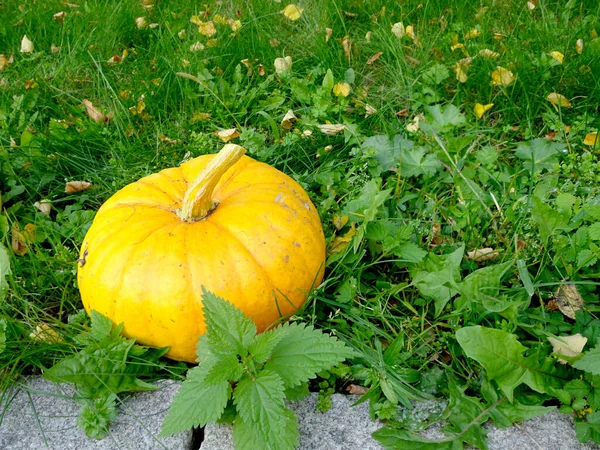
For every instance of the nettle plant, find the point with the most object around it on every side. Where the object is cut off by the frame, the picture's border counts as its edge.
(244, 378)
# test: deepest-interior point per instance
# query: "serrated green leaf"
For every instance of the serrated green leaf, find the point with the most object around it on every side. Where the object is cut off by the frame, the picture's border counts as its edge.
(445, 118)
(501, 354)
(437, 277)
(303, 351)
(366, 207)
(225, 368)
(410, 252)
(418, 162)
(101, 326)
(228, 330)
(547, 219)
(247, 437)
(538, 154)
(4, 270)
(388, 151)
(594, 231)
(261, 348)
(589, 361)
(260, 405)
(196, 402)
(589, 430)
(95, 416)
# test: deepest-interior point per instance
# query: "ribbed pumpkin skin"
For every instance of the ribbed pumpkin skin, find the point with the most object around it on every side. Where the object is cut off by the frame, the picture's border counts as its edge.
(262, 249)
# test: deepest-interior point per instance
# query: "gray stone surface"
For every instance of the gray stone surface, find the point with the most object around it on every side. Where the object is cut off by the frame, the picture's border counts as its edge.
(349, 428)
(42, 415)
(343, 427)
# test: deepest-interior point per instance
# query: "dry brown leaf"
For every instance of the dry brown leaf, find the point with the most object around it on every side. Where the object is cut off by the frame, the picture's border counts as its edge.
(3, 62)
(288, 120)
(93, 112)
(44, 206)
(26, 45)
(59, 17)
(369, 110)
(347, 46)
(355, 389)
(72, 187)
(374, 58)
(591, 139)
(332, 128)
(227, 135)
(568, 345)
(167, 140)
(569, 300)
(328, 33)
(482, 254)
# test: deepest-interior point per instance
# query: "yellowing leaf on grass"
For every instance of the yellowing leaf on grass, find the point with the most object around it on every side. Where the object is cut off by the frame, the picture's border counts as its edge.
(368, 36)
(288, 120)
(374, 58)
(411, 33)
(591, 139)
(200, 116)
(414, 125)
(369, 110)
(569, 300)
(502, 77)
(579, 46)
(93, 112)
(340, 222)
(480, 109)
(593, 34)
(558, 56)
(487, 53)
(235, 25)
(44, 332)
(342, 89)
(207, 28)
(26, 45)
(3, 62)
(141, 23)
(196, 20)
(482, 254)
(196, 47)
(20, 239)
(218, 18)
(182, 33)
(558, 100)
(292, 12)
(331, 128)
(340, 242)
(471, 34)
(568, 345)
(457, 45)
(347, 46)
(54, 48)
(398, 30)
(460, 68)
(59, 17)
(328, 33)
(283, 65)
(44, 206)
(227, 135)
(531, 4)
(72, 187)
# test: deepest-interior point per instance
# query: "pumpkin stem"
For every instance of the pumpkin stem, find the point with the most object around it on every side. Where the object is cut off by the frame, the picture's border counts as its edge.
(198, 202)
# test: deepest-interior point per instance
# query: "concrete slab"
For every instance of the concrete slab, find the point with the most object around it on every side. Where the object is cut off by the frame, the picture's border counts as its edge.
(42, 415)
(349, 428)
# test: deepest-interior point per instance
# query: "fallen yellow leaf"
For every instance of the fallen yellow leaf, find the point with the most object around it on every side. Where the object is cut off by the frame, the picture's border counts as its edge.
(471, 34)
(342, 89)
(340, 242)
(45, 333)
(487, 53)
(579, 46)
(502, 77)
(227, 135)
(558, 100)
(398, 30)
(93, 112)
(531, 5)
(331, 128)
(293, 12)
(411, 33)
(414, 125)
(3, 62)
(482, 254)
(288, 120)
(20, 240)
(480, 109)
(44, 206)
(460, 68)
(347, 46)
(235, 25)
(591, 139)
(568, 345)
(141, 23)
(207, 28)
(369, 110)
(200, 116)
(340, 222)
(328, 33)
(72, 187)
(558, 56)
(196, 47)
(26, 45)
(283, 65)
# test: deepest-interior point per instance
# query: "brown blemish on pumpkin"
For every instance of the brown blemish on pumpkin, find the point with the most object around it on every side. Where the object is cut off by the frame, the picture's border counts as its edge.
(82, 261)
(286, 258)
(297, 244)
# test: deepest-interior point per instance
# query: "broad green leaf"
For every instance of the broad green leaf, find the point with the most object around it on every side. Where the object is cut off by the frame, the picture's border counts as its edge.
(445, 118)
(101, 326)
(410, 253)
(397, 439)
(501, 355)
(594, 231)
(589, 361)
(260, 405)
(228, 330)
(262, 347)
(525, 277)
(547, 219)
(366, 207)
(328, 81)
(225, 368)
(538, 154)
(418, 162)
(577, 389)
(303, 352)
(388, 151)
(589, 430)
(484, 282)
(197, 402)
(247, 436)
(4, 270)
(437, 277)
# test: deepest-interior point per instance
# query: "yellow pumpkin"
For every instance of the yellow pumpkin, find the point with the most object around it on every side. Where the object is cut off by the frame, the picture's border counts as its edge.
(238, 227)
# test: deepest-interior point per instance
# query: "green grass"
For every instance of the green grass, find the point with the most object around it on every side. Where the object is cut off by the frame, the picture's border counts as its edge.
(457, 181)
